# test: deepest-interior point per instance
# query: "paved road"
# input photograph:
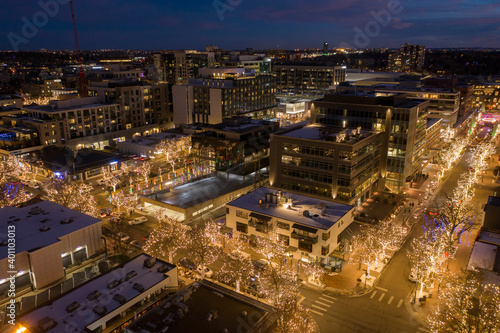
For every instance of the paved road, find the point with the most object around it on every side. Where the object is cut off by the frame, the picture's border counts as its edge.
(384, 309)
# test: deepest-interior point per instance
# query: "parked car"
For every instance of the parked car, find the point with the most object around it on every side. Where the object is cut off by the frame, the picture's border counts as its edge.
(105, 212)
(412, 278)
(208, 272)
(101, 182)
(238, 255)
(123, 237)
(260, 264)
(135, 243)
(138, 220)
(187, 264)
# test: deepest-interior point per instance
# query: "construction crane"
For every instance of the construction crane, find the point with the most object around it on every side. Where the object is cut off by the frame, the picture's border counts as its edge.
(83, 91)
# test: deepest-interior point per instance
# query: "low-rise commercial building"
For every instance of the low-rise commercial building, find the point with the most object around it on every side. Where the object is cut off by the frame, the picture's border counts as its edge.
(49, 238)
(109, 302)
(310, 228)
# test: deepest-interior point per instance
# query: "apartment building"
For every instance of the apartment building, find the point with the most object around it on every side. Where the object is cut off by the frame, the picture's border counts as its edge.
(224, 92)
(486, 96)
(409, 58)
(310, 228)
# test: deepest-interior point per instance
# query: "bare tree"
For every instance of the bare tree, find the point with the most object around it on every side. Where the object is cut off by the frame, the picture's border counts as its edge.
(75, 195)
(170, 150)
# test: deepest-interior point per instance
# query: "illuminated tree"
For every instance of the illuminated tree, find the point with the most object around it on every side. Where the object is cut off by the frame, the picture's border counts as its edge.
(167, 238)
(125, 200)
(204, 241)
(109, 179)
(170, 150)
(144, 170)
(456, 216)
(365, 248)
(75, 195)
(466, 305)
(11, 194)
(313, 271)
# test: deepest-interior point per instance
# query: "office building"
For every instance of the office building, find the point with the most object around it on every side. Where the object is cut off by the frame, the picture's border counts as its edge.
(49, 238)
(303, 79)
(310, 228)
(402, 120)
(224, 92)
(339, 164)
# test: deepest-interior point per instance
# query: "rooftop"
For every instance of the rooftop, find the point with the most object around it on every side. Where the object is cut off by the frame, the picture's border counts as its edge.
(134, 279)
(325, 133)
(305, 210)
(29, 221)
(201, 307)
(432, 121)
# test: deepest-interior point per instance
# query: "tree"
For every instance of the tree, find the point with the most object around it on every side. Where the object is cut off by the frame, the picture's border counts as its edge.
(167, 238)
(313, 271)
(237, 268)
(170, 150)
(11, 194)
(456, 215)
(204, 241)
(144, 170)
(117, 229)
(467, 305)
(109, 179)
(365, 248)
(427, 256)
(387, 235)
(75, 195)
(125, 200)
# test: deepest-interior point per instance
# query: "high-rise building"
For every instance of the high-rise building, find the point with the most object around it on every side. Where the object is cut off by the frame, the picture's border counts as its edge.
(409, 58)
(325, 47)
(223, 92)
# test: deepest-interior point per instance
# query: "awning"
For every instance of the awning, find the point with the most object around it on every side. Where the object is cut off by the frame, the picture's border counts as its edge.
(291, 249)
(304, 228)
(261, 217)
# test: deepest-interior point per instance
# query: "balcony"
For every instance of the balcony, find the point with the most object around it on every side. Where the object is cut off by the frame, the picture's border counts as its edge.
(302, 238)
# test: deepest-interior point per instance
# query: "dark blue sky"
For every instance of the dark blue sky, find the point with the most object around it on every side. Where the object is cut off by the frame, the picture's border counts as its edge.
(193, 24)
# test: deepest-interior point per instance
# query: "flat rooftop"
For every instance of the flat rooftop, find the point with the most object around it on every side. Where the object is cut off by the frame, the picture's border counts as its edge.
(189, 195)
(323, 214)
(199, 300)
(432, 121)
(83, 316)
(325, 133)
(53, 218)
(49, 108)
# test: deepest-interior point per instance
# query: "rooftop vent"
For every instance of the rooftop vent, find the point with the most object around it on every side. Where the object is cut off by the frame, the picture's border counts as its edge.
(100, 310)
(44, 228)
(35, 210)
(130, 275)
(46, 323)
(67, 221)
(113, 284)
(72, 307)
(93, 295)
(119, 298)
(139, 287)
(150, 262)
(162, 269)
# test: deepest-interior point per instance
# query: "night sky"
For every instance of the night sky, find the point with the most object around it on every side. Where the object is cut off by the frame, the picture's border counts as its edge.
(259, 24)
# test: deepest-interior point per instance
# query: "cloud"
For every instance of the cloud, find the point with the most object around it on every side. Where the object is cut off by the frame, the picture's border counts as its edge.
(398, 24)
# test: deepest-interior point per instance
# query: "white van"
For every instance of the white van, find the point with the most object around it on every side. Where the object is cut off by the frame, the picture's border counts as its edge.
(138, 220)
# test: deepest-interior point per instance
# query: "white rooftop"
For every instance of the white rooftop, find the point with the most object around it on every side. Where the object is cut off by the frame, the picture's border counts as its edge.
(322, 133)
(83, 316)
(483, 256)
(323, 214)
(30, 219)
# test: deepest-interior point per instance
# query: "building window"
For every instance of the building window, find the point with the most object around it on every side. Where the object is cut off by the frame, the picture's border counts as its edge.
(242, 214)
(325, 250)
(283, 225)
(241, 227)
(284, 240)
(326, 236)
(305, 246)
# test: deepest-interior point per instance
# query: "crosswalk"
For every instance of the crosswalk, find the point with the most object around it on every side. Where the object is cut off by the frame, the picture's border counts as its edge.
(322, 304)
(380, 295)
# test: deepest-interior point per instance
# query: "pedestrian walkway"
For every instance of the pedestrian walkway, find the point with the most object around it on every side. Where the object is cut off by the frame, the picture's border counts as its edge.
(383, 296)
(321, 304)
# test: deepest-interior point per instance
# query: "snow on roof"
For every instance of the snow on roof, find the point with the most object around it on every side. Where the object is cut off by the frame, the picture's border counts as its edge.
(323, 214)
(83, 316)
(28, 221)
(483, 256)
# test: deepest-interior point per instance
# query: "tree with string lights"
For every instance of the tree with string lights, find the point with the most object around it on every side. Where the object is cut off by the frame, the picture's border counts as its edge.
(75, 195)
(109, 179)
(204, 244)
(167, 238)
(313, 271)
(144, 170)
(365, 248)
(170, 150)
(466, 304)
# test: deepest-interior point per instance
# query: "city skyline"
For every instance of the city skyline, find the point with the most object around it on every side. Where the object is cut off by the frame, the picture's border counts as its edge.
(239, 24)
